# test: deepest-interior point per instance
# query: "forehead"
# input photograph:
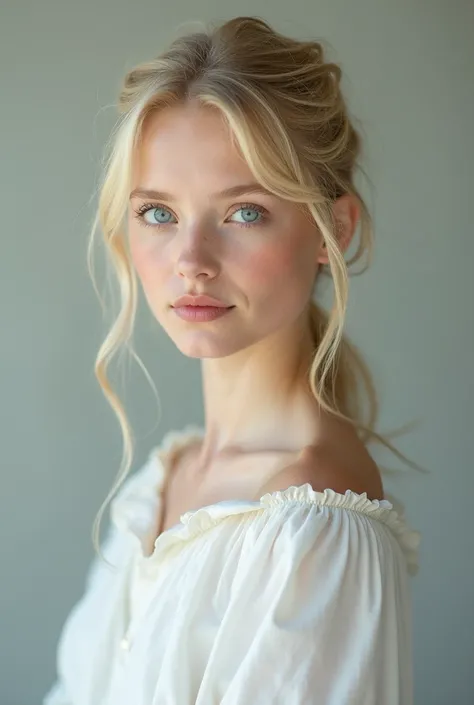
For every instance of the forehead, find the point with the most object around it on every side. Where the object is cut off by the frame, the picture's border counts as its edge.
(185, 141)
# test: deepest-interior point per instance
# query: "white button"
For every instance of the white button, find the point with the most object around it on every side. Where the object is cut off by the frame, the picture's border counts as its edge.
(125, 644)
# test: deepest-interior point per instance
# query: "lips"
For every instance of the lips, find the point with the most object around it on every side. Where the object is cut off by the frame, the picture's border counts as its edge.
(202, 314)
(201, 301)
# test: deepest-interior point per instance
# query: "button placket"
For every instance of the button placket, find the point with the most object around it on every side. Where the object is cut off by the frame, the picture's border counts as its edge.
(140, 570)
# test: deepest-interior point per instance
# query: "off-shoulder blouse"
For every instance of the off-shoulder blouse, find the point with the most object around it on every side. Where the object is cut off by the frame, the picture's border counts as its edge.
(299, 598)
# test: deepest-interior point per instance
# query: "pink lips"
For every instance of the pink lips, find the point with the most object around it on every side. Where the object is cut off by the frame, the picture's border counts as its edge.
(201, 300)
(200, 308)
(201, 313)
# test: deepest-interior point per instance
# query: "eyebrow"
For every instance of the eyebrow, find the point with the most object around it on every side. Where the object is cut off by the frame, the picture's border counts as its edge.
(231, 192)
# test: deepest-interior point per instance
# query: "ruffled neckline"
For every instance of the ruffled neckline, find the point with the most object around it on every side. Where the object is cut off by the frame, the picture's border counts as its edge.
(135, 508)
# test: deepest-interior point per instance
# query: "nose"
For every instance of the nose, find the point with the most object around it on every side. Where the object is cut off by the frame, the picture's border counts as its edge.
(194, 258)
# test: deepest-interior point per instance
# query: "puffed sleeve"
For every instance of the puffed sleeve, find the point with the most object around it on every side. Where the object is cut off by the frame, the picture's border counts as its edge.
(320, 611)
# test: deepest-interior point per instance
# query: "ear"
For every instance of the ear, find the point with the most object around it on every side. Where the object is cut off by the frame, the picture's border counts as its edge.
(346, 212)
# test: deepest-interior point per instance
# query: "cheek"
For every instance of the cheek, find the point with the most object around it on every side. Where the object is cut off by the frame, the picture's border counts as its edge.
(144, 257)
(147, 262)
(137, 252)
(263, 265)
(280, 273)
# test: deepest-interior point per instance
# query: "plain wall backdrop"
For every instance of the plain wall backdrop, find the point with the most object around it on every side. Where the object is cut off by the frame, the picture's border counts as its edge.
(408, 77)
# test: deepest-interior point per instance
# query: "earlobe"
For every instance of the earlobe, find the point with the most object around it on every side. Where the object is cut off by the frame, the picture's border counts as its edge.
(323, 254)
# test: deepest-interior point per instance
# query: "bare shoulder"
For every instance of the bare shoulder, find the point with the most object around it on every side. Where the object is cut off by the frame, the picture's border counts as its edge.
(340, 463)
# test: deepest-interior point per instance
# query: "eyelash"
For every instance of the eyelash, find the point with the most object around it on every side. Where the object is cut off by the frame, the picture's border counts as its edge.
(145, 207)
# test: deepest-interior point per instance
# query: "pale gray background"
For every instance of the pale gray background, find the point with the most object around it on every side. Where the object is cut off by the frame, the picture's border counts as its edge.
(409, 71)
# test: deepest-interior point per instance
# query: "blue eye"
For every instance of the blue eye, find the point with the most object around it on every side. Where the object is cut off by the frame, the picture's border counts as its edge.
(160, 218)
(162, 214)
(250, 213)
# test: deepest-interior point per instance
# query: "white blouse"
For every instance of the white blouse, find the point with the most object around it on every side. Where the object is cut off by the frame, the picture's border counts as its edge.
(300, 598)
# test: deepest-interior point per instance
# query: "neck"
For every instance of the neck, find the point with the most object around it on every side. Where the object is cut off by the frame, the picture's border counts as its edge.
(259, 398)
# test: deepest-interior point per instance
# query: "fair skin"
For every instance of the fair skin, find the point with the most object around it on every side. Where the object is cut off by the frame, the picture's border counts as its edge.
(254, 359)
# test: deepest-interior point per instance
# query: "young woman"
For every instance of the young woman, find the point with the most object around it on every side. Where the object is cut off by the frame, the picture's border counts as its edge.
(253, 561)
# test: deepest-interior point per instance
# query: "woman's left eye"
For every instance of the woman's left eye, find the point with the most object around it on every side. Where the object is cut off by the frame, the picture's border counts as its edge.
(250, 213)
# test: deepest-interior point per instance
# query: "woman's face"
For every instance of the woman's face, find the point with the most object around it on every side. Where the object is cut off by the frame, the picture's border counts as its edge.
(248, 248)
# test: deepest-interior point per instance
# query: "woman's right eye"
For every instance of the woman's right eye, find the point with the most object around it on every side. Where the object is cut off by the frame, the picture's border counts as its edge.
(159, 215)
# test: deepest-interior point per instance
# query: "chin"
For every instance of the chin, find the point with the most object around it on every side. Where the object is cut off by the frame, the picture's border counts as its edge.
(202, 352)
(205, 346)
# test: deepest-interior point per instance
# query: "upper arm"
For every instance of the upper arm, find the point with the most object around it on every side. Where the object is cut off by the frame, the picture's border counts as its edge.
(319, 611)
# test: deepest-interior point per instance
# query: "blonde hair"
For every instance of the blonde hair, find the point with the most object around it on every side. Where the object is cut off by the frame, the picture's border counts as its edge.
(285, 110)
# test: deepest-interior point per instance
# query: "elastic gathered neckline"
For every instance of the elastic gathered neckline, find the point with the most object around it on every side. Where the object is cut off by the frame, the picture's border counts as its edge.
(134, 509)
